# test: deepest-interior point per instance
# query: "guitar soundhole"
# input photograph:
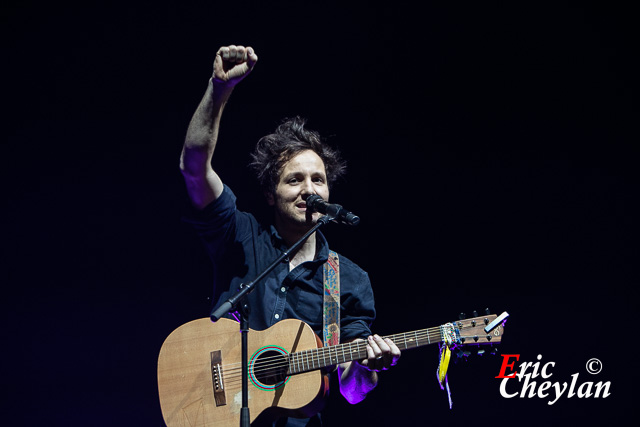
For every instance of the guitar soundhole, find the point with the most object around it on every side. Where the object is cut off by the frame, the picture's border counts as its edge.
(268, 367)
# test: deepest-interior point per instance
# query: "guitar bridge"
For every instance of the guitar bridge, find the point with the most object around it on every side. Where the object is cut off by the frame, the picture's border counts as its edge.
(218, 381)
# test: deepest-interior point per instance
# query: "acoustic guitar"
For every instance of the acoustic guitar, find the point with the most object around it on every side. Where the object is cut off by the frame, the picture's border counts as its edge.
(199, 367)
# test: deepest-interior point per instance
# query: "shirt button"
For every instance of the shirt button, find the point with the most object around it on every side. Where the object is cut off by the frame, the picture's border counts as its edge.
(277, 316)
(283, 289)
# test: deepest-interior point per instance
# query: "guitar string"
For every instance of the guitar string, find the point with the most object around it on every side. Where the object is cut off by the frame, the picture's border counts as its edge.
(307, 357)
(417, 336)
(235, 381)
(328, 350)
(281, 361)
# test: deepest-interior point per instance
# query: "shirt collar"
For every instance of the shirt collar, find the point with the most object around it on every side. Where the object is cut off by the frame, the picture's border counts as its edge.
(322, 252)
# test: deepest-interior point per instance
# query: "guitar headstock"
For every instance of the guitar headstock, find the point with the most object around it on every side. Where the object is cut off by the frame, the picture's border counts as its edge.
(478, 330)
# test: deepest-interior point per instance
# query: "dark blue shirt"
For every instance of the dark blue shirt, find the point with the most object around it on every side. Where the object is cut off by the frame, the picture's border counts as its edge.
(241, 249)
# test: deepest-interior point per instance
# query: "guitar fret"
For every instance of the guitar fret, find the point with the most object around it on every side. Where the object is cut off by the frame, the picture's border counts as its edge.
(309, 360)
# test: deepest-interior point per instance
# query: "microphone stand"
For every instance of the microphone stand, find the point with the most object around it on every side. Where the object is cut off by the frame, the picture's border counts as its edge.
(238, 299)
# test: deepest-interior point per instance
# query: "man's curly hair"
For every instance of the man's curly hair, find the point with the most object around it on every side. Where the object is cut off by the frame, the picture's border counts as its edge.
(289, 139)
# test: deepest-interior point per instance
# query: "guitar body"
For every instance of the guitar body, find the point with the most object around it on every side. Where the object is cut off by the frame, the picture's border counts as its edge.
(199, 374)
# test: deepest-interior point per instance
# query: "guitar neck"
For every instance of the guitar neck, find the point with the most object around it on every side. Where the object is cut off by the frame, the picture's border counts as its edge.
(309, 360)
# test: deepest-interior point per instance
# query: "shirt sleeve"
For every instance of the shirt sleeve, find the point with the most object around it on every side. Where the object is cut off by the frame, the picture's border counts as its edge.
(358, 306)
(221, 227)
(219, 223)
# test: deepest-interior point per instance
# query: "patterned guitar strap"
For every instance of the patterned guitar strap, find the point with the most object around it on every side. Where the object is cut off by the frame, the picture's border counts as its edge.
(331, 306)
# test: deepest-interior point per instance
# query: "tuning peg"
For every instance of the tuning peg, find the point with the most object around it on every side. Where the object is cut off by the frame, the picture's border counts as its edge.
(487, 311)
(494, 350)
(462, 316)
(474, 313)
(481, 352)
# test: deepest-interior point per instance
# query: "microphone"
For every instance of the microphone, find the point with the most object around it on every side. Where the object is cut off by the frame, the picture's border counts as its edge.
(317, 204)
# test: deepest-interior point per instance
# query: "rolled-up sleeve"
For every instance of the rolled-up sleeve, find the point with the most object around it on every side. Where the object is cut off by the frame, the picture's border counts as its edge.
(219, 223)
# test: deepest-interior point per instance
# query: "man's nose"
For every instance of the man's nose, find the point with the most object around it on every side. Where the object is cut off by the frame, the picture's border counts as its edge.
(308, 188)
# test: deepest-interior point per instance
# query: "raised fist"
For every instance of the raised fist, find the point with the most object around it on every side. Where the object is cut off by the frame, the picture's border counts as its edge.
(233, 63)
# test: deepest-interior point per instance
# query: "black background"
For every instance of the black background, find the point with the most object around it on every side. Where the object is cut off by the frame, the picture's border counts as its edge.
(491, 151)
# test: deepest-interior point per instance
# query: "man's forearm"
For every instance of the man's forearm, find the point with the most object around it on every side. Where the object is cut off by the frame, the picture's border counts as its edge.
(203, 184)
(356, 381)
(359, 378)
(231, 65)
(202, 133)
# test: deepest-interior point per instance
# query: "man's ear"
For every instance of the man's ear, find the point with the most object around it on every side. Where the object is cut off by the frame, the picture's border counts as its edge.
(270, 199)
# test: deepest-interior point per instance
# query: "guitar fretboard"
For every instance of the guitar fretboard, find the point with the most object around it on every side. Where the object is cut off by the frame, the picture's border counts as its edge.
(318, 358)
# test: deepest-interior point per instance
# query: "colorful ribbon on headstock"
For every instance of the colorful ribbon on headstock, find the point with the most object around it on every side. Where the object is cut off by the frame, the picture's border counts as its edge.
(445, 357)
